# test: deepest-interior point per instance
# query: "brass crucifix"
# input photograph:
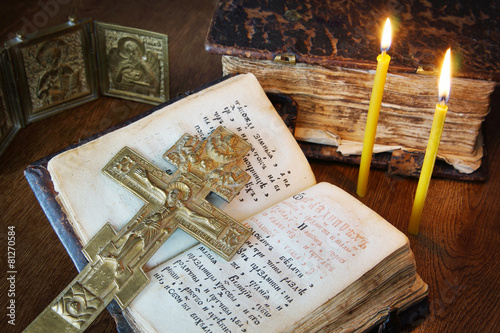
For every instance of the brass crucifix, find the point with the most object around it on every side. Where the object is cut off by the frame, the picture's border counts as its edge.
(173, 201)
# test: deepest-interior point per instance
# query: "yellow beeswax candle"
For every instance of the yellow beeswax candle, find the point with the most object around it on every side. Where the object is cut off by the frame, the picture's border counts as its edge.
(373, 111)
(432, 146)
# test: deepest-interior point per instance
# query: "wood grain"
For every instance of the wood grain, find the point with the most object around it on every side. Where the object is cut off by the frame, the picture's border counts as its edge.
(456, 251)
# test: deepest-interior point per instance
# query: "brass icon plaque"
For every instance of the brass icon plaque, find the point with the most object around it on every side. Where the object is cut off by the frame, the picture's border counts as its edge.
(61, 67)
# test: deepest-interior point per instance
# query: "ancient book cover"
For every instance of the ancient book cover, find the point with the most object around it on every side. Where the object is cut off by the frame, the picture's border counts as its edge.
(323, 55)
(347, 34)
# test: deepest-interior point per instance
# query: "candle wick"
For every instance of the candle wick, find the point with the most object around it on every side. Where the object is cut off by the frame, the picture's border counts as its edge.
(383, 52)
(442, 102)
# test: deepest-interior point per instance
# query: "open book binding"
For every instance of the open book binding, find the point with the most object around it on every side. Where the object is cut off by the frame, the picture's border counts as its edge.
(293, 259)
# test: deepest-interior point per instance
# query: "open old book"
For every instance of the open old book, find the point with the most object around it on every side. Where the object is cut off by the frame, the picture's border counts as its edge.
(317, 259)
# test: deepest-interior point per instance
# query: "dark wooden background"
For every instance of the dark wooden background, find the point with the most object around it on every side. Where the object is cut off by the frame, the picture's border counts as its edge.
(456, 251)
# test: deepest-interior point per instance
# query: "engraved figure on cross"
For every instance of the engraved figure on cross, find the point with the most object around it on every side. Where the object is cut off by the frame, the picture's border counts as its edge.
(171, 201)
(140, 239)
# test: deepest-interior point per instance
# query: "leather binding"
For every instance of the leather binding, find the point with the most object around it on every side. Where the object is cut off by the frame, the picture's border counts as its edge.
(341, 33)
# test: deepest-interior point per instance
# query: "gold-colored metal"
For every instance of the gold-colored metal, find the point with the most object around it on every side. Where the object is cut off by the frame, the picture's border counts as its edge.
(171, 201)
(20, 35)
(428, 70)
(286, 58)
(133, 63)
(54, 69)
(292, 15)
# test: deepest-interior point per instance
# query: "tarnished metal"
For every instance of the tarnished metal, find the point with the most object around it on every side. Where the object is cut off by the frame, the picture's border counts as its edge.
(54, 69)
(427, 70)
(133, 63)
(286, 58)
(58, 68)
(171, 201)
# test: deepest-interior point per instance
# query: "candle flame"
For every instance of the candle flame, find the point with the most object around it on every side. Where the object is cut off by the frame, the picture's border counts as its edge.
(386, 36)
(445, 78)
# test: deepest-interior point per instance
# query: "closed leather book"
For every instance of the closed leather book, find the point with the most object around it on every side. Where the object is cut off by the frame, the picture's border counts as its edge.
(323, 54)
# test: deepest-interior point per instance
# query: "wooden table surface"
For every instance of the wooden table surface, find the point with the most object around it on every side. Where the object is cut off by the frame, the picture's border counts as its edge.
(456, 250)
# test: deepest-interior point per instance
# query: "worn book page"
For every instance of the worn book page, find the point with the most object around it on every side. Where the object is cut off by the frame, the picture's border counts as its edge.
(333, 104)
(303, 252)
(276, 164)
